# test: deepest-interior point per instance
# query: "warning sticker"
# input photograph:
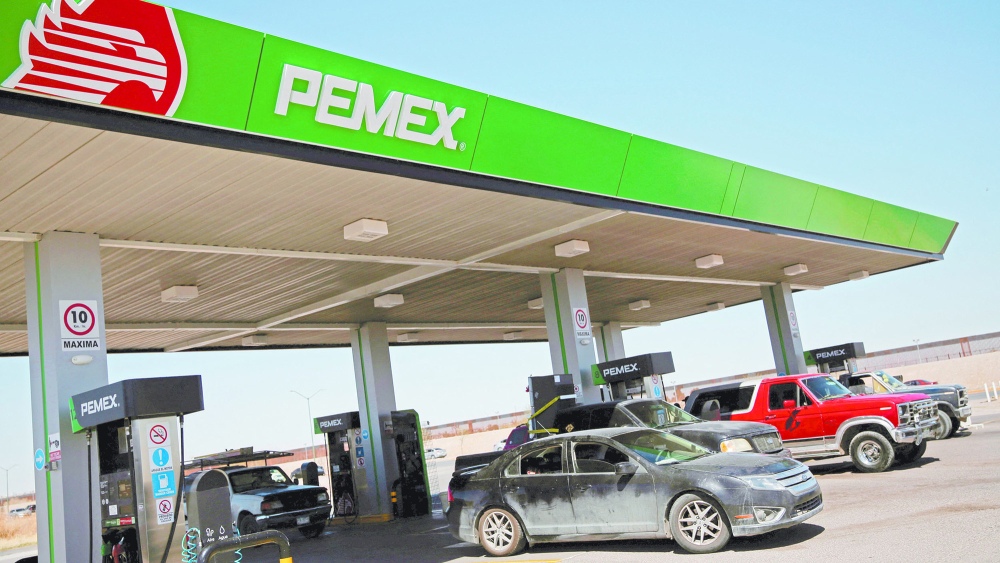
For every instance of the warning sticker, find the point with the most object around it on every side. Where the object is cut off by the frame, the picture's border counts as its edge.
(361, 462)
(164, 511)
(158, 436)
(78, 326)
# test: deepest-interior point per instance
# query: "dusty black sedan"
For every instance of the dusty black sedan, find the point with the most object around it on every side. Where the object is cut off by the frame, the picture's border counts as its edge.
(623, 483)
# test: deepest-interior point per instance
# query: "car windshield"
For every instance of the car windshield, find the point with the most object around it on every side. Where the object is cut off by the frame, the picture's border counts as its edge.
(661, 448)
(826, 387)
(258, 478)
(659, 414)
(889, 381)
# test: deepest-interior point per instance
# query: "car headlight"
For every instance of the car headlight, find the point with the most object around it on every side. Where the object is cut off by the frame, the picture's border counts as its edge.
(271, 505)
(323, 497)
(736, 445)
(767, 513)
(764, 483)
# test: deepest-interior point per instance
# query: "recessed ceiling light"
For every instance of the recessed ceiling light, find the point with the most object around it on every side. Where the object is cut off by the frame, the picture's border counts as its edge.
(511, 336)
(388, 301)
(716, 306)
(710, 261)
(572, 248)
(796, 269)
(179, 294)
(536, 304)
(639, 305)
(255, 340)
(365, 230)
(859, 275)
(408, 337)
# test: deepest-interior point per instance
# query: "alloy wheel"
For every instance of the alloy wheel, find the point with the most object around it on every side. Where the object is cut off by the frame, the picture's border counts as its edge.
(498, 530)
(700, 522)
(871, 452)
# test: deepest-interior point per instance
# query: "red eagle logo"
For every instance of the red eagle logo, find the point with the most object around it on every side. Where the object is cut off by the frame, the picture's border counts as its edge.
(121, 53)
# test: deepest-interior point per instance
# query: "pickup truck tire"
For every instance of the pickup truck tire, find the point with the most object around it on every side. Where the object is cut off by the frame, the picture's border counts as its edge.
(247, 525)
(955, 424)
(911, 452)
(698, 524)
(313, 530)
(500, 533)
(943, 428)
(872, 452)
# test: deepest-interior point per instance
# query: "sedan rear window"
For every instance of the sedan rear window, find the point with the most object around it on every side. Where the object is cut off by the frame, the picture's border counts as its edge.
(661, 448)
(542, 462)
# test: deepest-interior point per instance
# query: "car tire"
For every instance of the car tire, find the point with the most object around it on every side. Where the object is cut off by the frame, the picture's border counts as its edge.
(955, 424)
(911, 452)
(247, 525)
(313, 530)
(500, 533)
(872, 452)
(694, 516)
(943, 428)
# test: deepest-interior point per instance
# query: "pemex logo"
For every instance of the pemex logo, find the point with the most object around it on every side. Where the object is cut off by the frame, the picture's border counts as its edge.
(121, 53)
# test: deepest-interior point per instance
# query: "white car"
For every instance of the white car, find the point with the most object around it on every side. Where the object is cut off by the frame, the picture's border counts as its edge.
(20, 512)
(499, 446)
(435, 453)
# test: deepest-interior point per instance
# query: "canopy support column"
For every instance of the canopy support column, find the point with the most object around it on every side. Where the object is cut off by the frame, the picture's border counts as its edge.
(376, 401)
(65, 305)
(783, 326)
(571, 340)
(610, 345)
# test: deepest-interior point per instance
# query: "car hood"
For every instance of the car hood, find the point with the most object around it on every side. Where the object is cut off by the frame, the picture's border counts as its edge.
(930, 389)
(278, 491)
(738, 464)
(861, 402)
(710, 434)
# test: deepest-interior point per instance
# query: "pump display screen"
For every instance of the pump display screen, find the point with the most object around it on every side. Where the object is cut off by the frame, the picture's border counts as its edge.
(124, 489)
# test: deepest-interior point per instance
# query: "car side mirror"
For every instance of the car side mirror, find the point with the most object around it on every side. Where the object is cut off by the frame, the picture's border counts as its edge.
(295, 481)
(788, 404)
(626, 468)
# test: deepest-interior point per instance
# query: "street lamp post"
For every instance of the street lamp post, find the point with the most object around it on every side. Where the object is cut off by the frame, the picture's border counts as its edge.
(6, 471)
(920, 359)
(312, 438)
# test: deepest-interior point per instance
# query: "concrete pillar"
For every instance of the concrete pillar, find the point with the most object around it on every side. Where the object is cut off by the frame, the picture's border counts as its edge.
(608, 338)
(783, 326)
(571, 340)
(376, 401)
(62, 275)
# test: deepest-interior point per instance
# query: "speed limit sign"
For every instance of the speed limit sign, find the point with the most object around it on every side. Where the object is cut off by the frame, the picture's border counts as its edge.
(78, 325)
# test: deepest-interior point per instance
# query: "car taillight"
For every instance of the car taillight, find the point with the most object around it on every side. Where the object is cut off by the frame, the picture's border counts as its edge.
(450, 497)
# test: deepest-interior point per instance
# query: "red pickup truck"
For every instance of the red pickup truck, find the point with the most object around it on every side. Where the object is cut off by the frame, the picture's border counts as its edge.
(818, 417)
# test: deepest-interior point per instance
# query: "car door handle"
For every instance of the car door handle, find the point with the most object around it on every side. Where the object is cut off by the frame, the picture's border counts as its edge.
(770, 416)
(581, 488)
(510, 489)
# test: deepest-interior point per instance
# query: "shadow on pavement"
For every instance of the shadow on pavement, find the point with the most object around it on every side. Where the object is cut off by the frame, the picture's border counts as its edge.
(848, 467)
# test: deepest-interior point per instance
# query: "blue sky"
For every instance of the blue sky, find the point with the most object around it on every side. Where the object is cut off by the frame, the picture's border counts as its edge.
(895, 101)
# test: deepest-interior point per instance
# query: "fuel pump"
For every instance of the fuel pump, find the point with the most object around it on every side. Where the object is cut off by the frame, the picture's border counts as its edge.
(136, 427)
(346, 441)
(637, 377)
(548, 395)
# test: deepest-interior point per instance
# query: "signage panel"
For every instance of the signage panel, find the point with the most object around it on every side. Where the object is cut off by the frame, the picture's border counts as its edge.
(635, 367)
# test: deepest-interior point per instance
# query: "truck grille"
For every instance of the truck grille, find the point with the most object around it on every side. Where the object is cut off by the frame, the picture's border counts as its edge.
(296, 500)
(798, 479)
(924, 410)
(767, 443)
(808, 505)
(963, 398)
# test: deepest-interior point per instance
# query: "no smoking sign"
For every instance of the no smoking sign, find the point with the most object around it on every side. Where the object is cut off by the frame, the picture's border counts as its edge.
(78, 325)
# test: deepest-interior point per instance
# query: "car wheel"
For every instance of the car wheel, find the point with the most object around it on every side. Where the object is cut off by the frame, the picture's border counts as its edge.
(955, 424)
(247, 525)
(871, 452)
(698, 524)
(943, 428)
(911, 452)
(312, 531)
(500, 533)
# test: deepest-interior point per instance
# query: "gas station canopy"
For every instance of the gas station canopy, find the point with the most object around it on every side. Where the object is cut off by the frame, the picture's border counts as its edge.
(208, 155)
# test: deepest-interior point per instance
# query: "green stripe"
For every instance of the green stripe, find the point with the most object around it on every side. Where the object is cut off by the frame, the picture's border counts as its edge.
(604, 344)
(562, 340)
(45, 404)
(777, 322)
(368, 415)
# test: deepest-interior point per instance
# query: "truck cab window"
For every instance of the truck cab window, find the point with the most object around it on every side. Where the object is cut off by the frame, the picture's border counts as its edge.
(781, 392)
